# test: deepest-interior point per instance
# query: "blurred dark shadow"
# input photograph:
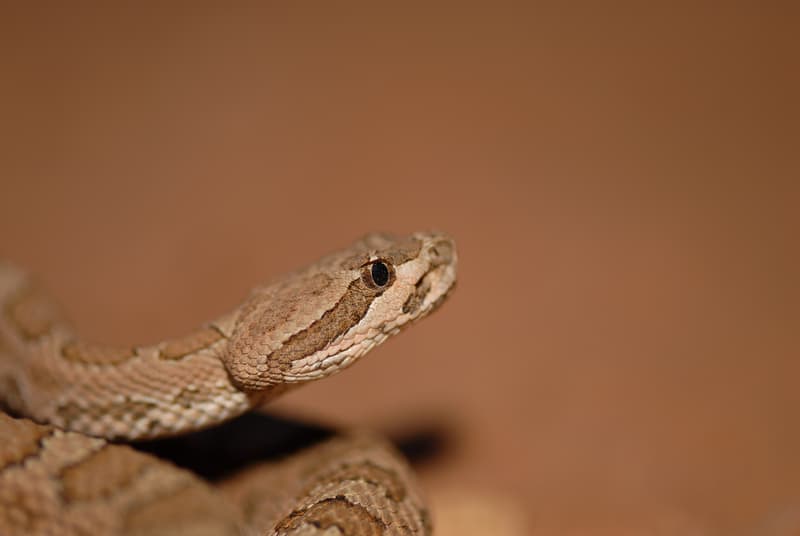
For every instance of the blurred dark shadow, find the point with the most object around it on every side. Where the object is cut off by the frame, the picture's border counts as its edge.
(220, 451)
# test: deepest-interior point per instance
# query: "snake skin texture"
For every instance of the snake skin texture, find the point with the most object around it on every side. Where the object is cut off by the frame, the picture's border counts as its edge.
(61, 471)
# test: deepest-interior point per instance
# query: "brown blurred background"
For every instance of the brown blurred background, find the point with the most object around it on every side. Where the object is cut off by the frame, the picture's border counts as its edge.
(621, 355)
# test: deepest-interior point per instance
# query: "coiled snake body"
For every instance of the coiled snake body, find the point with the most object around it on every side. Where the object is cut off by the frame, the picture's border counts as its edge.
(59, 474)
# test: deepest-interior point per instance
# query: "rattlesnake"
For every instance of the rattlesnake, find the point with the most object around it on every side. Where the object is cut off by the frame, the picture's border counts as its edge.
(62, 471)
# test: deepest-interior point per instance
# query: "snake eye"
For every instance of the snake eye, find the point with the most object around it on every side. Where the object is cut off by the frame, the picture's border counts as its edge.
(377, 274)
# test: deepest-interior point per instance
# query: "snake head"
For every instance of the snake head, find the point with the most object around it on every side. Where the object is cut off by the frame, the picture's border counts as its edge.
(321, 319)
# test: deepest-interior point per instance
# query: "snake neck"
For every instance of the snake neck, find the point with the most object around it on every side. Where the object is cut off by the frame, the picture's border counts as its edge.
(48, 374)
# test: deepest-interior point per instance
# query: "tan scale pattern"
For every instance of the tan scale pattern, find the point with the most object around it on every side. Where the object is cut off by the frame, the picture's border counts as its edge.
(301, 327)
(21, 440)
(93, 354)
(356, 482)
(72, 484)
(194, 342)
(333, 513)
(101, 474)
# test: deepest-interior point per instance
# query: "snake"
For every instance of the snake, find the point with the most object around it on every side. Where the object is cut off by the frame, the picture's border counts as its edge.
(70, 406)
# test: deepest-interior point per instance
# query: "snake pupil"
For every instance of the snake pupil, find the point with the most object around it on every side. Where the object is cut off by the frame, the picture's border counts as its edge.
(380, 273)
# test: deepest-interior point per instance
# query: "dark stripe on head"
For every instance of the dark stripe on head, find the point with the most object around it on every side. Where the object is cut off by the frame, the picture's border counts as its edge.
(347, 312)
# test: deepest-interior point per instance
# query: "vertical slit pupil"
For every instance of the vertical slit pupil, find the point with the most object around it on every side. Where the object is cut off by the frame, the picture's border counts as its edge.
(380, 273)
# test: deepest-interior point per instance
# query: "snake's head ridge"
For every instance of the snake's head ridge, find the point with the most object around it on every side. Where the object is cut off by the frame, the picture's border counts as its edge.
(320, 320)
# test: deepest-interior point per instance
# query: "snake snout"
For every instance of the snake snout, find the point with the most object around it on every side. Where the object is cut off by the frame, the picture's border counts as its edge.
(442, 252)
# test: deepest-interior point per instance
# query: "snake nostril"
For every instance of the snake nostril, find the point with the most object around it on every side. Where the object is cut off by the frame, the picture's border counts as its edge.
(440, 253)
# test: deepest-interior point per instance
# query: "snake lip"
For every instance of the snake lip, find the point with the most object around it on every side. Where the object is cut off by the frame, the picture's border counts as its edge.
(442, 298)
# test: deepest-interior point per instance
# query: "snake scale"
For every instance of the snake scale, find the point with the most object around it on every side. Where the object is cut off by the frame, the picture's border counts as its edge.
(70, 403)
